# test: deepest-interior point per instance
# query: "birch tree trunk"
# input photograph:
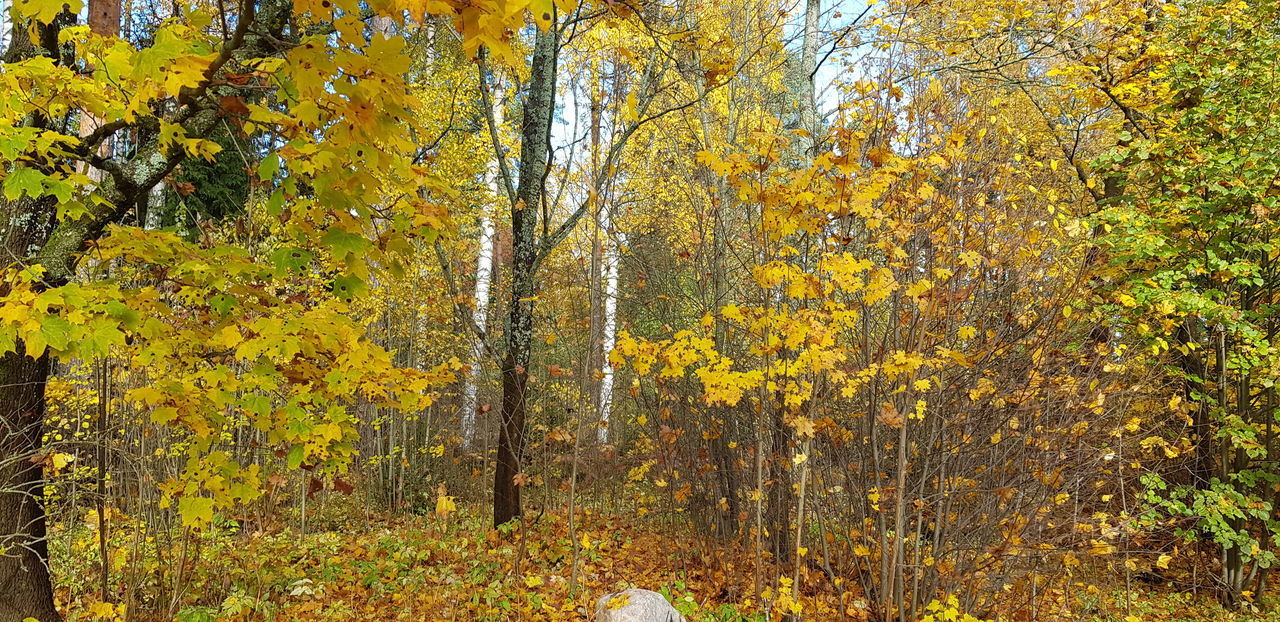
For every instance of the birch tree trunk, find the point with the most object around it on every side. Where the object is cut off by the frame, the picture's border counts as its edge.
(609, 257)
(604, 274)
(484, 280)
(383, 25)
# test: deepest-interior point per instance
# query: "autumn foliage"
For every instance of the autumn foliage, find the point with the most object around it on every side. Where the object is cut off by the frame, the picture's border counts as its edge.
(480, 309)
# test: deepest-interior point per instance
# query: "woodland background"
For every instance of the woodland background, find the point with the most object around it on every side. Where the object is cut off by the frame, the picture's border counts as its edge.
(480, 309)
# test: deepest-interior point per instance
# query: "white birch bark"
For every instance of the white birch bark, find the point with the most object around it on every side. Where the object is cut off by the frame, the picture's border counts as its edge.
(610, 329)
(155, 200)
(484, 279)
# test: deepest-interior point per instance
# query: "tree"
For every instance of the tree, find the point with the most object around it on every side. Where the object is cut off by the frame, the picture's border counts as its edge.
(484, 281)
(533, 237)
(344, 102)
(1191, 249)
(535, 138)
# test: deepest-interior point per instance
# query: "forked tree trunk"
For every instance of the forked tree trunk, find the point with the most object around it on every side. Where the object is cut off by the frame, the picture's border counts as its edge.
(25, 588)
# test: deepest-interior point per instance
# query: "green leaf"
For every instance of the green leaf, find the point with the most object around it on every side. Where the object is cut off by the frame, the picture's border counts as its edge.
(8, 339)
(151, 61)
(275, 204)
(292, 258)
(56, 332)
(243, 492)
(102, 334)
(344, 242)
(23, 180)
(222, 303)
(268, 168)
(164, 414)
(257, 404)
(196, 614)
(122, 313)
(348, 286)
(295, 456)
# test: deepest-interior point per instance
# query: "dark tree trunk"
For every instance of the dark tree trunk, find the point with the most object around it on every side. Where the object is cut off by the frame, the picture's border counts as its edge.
(25, 588)
(1193, 369)
(780, 497)
(539, 104)
(31, 234)
(506, 490)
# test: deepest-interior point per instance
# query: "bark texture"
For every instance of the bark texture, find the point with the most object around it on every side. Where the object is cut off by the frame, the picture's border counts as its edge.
(25, 588)
(535, 137)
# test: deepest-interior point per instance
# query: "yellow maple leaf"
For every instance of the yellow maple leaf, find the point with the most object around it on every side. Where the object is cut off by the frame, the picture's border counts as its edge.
(445, 506)
(804, 427)
(195, 511)
(61, 460)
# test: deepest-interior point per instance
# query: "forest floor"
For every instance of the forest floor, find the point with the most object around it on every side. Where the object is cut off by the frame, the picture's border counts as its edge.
(453, 568)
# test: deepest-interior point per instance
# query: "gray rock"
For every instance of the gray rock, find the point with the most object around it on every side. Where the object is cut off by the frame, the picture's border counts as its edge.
(640, 606)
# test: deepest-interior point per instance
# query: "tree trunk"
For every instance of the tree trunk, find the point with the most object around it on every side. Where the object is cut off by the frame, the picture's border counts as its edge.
(25, 588)
(32, 234)
(808, 94)
(104, 20)
(779, 497)
(1193, 369)
(610, 261)
(484, 277)
(535, 136)
(594, 359)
